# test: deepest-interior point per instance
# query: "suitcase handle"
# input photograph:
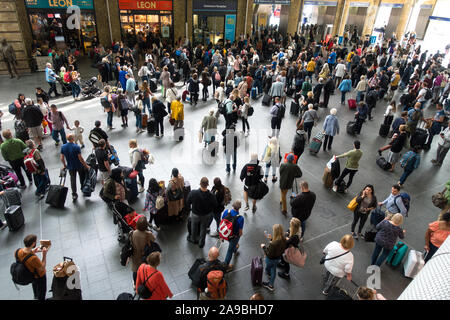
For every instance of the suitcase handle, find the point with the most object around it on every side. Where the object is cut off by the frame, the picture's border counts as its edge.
(62, 175)
(67, 259)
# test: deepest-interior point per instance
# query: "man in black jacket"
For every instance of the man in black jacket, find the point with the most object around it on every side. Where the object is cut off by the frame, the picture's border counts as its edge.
(32, 116)
(159, 112)
(371, 100)
(202, 203)
(302, 205)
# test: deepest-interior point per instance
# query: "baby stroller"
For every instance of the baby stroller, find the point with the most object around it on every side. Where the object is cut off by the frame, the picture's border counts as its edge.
(8, 178)
(66, 88)
(126, 218)
(89, 89)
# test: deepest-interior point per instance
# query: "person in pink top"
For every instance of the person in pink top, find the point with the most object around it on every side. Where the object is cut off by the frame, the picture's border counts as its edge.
(437, 233)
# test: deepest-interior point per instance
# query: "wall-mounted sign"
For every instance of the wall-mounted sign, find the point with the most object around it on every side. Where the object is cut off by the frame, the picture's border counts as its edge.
(426, 6)
(392, 5)
(230, 27)
(214, 5)
(282, 2)
(321, 3)
(59, 4)
(359, 4)
(145, 5)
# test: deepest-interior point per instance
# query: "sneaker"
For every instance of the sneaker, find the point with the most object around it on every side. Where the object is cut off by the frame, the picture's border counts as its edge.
(74, 197)
(247, 133)
(141, 189)
(254, 209)
(433, 161)
(354, 235)
(379, 152)
(137, 130)
(324, 293)
(246, 207)
(268, 286)
(361, 235)
(22, 186)
(274, 179)
(57, 143)
(284, 275)
(335, 188)
(82, 146)
(156, 228)
(229, 268)
(4, 225)
(345, 190)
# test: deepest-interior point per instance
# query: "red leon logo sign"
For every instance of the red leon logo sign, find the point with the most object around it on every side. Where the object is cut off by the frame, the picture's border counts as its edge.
(145, 5)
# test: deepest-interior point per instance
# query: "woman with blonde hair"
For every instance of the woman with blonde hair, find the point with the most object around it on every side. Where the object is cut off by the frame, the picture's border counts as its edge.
(338, 262)
(325, 72)
(292, 239)
(272, 158)
(386, 238)
(274, 251)
(361, 87)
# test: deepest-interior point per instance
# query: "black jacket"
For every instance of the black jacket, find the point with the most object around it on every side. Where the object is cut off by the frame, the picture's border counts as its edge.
(32, 115)
(251, 173)
(159, 110)
(302, 205)
(202, 203)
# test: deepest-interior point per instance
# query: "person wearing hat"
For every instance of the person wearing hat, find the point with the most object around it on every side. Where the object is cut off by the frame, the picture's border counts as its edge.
(288, 173)
(203, 204)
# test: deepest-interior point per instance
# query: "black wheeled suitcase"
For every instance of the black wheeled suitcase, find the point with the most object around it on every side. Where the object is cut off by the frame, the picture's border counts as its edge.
(57, 194)
(266, 100)
(256, 271)
(151, 125)
(384, 130)
(351, 127)
(14, 218)
(295, 108)
(61, 291)
(383, 164)
(12, 197)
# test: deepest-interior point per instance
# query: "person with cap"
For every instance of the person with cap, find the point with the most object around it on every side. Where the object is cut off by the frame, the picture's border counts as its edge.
(202, 203)
(288, 173)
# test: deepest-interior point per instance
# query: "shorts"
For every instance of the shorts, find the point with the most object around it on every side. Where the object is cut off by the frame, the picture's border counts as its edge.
(103, 175)
(124, 113)
(36, 132)
(393, 157)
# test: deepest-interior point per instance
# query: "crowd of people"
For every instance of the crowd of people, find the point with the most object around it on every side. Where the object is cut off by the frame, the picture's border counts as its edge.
(276, 67)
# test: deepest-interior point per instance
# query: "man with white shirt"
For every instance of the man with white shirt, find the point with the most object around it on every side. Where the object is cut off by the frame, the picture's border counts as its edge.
(443, 146)
(339, 72)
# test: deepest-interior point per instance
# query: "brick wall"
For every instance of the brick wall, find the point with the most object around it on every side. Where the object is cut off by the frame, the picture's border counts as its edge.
(14, 27)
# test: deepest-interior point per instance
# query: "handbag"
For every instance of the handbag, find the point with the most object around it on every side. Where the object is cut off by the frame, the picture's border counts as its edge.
(439, 200)
(143, 291)
(322, 260)
(159, 203)
(352, 204)
(295, 256)
(60, 270)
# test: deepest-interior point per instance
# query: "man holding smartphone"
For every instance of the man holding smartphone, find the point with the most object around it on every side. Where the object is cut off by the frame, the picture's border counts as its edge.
(35, 265)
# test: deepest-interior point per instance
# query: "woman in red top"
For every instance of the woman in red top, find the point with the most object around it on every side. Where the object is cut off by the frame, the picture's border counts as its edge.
(437, 233)
(155, 279)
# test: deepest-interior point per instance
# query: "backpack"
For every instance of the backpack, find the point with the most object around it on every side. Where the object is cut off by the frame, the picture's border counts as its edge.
(428, 94)
(19, 272)
(299, 143)
(216, 284)
(145, 156)
(217, 76)
(281, 112)
(19, 126)
(406, 198)
(30, 163)
(12, 108)
(227, 198)
(250, 111)
(226, 226)
(105, 103)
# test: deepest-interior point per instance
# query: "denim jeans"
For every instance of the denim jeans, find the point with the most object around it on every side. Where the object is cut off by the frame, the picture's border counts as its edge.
(358, 96)
(228, 159)
(109, 119)
(231, 249)
(56, 133)
(271, 268)
(146, 103)
(405, 175)
(343, 96)
(376, 258)
(41, 183)
(75, 89)
(139, 120)
(198, 226)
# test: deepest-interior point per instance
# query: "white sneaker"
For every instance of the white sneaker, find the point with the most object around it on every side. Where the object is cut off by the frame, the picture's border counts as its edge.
(141, 189)
(4, 225)
(335, 188)
(247, 133)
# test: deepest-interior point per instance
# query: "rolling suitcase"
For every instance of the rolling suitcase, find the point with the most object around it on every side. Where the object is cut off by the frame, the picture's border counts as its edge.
(256, 271)
(337, 293)
(384, 130)
(14, 218)
(351, 127)
(295, 108)
(12, 197)
(57, 194)
(254, 93)
(413, 264)
(62, 292)
(397, 254)
(266, 100)
(327, 178)
(351, 104)
(370, 235)
(144, 120)
(178, 134)
(383, 164)
(316, 143)
(151, 125)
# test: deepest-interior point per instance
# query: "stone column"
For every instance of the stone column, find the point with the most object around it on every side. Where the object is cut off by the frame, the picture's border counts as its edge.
(371, 17)
(295, 10)
(179, 18)
(404, 18)
(285, 14)
(101, 13)
(244, 7)
(343, 20)
(15, 28)
(338, 17)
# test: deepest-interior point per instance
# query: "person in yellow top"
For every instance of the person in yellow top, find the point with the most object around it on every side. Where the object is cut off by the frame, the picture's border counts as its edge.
(177, 113)
(311, 66)
(395, 80)
(325, 71)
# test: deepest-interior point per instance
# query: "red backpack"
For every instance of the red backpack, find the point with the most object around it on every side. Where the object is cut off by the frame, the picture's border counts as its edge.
(30, 163)
(67, 77)
(217, 286)
(226, 226)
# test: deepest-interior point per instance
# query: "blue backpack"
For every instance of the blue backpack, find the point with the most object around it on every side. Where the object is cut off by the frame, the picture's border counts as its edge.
(12, 108)
(406, 198)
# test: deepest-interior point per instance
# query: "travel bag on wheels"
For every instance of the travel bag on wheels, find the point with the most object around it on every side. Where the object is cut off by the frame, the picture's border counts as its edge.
(419, 138)
(14, 218)
(383, 164)
(351, 128)
(65, 284)
(397, 254)
(384, 130)
(351, 104)
(256, 271)
(316, 143)
(295, 108)
(266, 100)
(57, 194)
(413, 264)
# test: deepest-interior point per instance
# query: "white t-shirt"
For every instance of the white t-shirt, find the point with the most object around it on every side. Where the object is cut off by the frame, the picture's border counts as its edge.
(389, 111)
(422, 93)
(340, 70)
(339, 266)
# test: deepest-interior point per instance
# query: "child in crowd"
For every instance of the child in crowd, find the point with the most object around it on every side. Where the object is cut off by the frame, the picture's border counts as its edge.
(78, 132)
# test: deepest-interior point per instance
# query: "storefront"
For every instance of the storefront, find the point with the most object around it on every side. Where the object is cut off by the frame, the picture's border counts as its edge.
(214, 21)
(48, 21)
(147, 17)
(320, 13)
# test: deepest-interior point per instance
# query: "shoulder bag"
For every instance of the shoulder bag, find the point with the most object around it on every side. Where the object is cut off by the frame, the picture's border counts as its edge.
(322, 260)
(143, 291)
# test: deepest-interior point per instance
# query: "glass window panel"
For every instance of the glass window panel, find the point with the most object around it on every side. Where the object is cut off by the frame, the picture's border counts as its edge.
(166, 20)
(125, 18)
(153, 18)
(139, 18)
